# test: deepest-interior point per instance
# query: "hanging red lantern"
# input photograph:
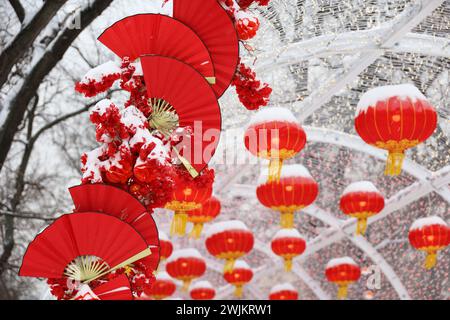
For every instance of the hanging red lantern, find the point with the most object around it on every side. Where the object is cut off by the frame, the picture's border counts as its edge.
(288, 244)
(165, 245)
(361, 200)
(274, 134)
(202, 290)
(395, 118)
(162, 288)
(189, 194)
(206, 213)
(240, 275)
(186, 265)
(429, 234)
(342, 271)
(229, 240)
(295, 190)
(284, 291)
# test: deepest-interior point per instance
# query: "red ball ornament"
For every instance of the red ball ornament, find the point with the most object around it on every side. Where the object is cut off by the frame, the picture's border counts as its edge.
(395, 118)
(186, 265)
(285, 291)
(361, 200)
(240, 275)
(429, 234)
(274, 134)
(202, 290)
(209, 210)
(342, 271)
(288, 244)
(295, 190)
(229, 240)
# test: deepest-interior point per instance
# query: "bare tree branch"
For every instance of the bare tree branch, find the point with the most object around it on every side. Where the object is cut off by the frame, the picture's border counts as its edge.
(26, 36)
(25, 215)
(18, 9)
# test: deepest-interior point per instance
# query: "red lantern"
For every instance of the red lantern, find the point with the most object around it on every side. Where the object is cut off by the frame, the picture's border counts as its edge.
(342, 271)
(186, 265)
(274, 134)
(395, 118)
(189, 194)
(246, 25)
(202, 290)
(361, 200)
(240, 275)
(229, 240)
(429, 234)
(165, 246)
(208, 211)
(288, 243)
(285, 291)
(163, 287)
(295, 190)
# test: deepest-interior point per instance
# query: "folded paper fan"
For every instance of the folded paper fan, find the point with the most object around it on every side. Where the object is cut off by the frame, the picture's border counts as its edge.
(83, 247)
(213, 25)
(115, 289)
(158, 34)
(120, 204)
(181, 98)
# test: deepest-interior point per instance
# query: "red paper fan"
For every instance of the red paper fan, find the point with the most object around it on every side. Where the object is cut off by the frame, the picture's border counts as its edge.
(213, 25)
(115, 289)
(142, 34)
(178, 90)
(92, 243)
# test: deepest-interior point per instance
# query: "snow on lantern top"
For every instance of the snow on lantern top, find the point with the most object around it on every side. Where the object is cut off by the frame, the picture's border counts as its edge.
(225, 226)
(201, 285)
(163, 276)
(287, 233)
(282, 287)
(163, 236)
(272, 114)
(360, 186)
(428, 221)
(287, 171)
(403, 91)
(185, 253)
(339, 261)
(241, 264)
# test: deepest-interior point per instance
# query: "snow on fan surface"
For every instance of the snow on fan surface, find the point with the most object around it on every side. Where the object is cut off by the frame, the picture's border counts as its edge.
(403, 91)
(287, 233)
(360, 186)
(219, 227)
(272, 114)
(282, 287)
(339, 261)
(184, 253)
(203, 284)
(287, 171)
(428, 221)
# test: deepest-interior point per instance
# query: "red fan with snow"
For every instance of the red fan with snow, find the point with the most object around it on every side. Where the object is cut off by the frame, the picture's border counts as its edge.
(84, 247)
(181, 98)
(213, 25)
(158, 34)
(120, 204)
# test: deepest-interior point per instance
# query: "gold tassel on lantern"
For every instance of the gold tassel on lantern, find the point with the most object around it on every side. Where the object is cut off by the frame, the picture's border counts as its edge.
(342, 291)
(196, 230)
(287, 219)
(229, 265)
(361, 226)
(179, 222)
(431, 259)
(186, 285)
(287, 264)
(394, 163)
(239, 290)
(275, 169)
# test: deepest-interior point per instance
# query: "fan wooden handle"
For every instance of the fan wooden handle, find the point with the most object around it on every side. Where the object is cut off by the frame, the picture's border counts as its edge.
(139, 256)
(186, 163)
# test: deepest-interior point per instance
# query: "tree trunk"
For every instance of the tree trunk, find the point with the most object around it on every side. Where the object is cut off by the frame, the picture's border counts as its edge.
(16, 108)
